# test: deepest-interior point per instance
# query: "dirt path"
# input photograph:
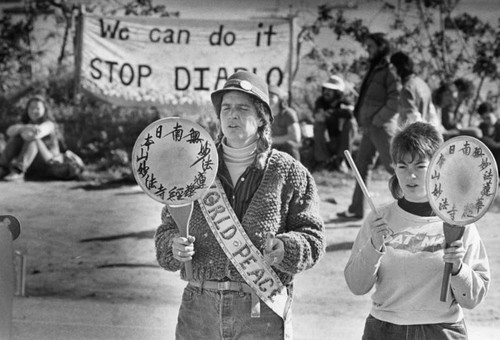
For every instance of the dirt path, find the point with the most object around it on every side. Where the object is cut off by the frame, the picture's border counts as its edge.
(95, 243)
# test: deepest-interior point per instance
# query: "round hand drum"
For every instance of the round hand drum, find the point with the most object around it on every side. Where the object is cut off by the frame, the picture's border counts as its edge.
(462, 181)
(175, 161)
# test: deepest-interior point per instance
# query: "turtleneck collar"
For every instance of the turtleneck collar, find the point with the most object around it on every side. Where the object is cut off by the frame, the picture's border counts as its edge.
(416, 208)
(241, 155)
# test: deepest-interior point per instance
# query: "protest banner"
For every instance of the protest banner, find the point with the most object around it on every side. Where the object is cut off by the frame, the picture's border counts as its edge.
(163, 61)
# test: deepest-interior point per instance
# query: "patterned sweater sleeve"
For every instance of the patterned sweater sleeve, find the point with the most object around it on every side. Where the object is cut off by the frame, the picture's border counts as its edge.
(163, 242)
(470, 285)
(304, 238)
(361, 269)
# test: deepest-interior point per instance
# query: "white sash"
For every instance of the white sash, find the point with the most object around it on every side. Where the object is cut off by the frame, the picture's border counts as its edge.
(247, 259)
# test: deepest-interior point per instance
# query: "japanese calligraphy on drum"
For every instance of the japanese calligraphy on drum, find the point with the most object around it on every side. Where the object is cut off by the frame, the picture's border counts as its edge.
(462, 180)
(174, 161)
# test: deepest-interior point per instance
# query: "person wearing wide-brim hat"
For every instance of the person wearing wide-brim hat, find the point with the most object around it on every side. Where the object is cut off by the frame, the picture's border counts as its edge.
(264, 195)
(333, 115)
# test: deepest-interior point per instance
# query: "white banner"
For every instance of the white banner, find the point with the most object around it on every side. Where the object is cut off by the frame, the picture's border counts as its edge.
(162, 61)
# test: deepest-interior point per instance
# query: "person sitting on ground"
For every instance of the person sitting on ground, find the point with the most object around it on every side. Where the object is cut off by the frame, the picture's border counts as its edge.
(490, 127)
(333, 113)
(285, 130)
(451, 99)
(32, 143)
(415, 97)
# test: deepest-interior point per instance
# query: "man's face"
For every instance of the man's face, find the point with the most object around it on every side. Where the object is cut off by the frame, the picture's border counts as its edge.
(330, 94)
(239, 119)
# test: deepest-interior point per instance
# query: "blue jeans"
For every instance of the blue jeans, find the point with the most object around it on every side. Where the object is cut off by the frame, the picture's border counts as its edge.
(380, 330)
(211, 315)
(375, 139)
(24, 156)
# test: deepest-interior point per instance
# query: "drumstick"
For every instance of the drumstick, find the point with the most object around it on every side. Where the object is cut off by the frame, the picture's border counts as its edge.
(360, 181)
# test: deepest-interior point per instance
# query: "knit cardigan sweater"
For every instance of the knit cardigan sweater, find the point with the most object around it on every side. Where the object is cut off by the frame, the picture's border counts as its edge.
(285, 203)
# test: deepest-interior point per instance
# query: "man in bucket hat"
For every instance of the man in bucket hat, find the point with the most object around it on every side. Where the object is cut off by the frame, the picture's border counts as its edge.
(266, 197)
(333, 114)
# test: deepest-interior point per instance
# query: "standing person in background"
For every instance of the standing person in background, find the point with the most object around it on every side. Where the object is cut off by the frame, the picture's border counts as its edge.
(285, 130)
(415, 97)
(376, 112)
(32, 143)
(490, 128)
(451, 99)
(333, 114)
(401, 250)
(272, 200)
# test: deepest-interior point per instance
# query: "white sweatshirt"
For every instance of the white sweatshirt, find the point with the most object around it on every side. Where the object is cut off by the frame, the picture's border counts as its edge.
(408, 273)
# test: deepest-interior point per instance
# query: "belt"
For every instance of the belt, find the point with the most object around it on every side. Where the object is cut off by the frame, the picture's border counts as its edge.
(231, 286)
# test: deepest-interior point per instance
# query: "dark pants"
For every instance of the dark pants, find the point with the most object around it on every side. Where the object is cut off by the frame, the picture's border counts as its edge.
(381, 330)
(374, 140)
(339, 141)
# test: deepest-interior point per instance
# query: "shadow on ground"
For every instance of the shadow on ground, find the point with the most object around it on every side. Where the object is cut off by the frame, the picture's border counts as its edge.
(146, 234)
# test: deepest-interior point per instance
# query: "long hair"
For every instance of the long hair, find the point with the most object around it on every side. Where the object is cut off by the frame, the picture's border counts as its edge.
(25, 118)
(264, 140)
(383, 47)
(420, 140)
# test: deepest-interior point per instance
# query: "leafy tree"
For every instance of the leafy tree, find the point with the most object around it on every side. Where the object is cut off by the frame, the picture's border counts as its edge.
(444, 46)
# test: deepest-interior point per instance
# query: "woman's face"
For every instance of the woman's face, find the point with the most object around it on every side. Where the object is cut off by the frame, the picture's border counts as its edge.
(239, 119)
(36, 110)
(411, 173)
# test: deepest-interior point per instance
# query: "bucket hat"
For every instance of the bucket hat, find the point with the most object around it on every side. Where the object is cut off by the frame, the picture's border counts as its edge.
(246, 82)
(335, 83)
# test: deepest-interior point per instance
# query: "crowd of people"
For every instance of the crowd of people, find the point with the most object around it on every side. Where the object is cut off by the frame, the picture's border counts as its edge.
(391, 96)
(272, 202)
(271, 199)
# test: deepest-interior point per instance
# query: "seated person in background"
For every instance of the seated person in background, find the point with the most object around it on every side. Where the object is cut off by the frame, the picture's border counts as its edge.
(451, 99)
(285, 130)
(31, 144)
(333, 113)
(415, 97)
(490, 127)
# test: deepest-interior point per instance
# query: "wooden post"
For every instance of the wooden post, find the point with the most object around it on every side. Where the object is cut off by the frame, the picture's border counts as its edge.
(6, 282)
(78, 53)
(290, 62)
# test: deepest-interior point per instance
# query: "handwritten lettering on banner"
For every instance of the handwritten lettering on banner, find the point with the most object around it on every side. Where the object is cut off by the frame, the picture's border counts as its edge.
(169, 60)
(462, 180)
(174, 160)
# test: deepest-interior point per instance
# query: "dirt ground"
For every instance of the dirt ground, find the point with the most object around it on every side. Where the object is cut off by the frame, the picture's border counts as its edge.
(94, 242)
